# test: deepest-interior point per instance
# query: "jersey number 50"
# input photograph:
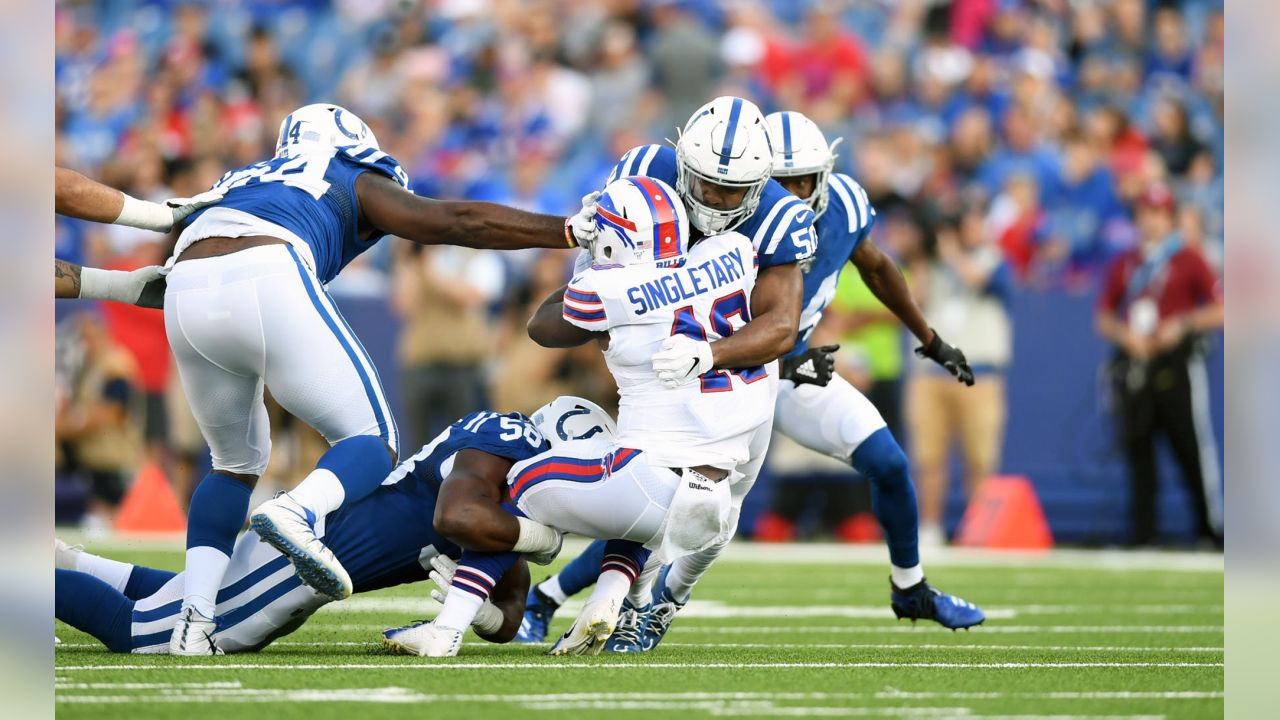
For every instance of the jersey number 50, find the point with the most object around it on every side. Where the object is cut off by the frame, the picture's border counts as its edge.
(721, 310)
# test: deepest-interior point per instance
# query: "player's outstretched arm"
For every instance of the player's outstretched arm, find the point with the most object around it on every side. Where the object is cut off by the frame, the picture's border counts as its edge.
(143, 287)
(775, 321)
(75, 195)
(549, 329)
(509, 597)
(392, 209)
(884, 279)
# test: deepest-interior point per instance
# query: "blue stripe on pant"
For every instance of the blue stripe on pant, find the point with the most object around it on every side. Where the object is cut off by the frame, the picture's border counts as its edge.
(381, 414)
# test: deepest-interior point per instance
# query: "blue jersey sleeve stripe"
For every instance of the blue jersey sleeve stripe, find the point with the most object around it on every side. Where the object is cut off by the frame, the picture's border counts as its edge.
(580, 296)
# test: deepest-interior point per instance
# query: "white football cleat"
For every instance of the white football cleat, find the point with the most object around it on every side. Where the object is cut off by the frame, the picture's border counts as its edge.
(424, 639)
(65, 556)
(193, 635)
(290, 528)
(591, 630)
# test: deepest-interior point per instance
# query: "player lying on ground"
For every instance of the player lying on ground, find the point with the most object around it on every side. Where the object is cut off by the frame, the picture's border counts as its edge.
(75, 195)
(246, 310)
(816, 407)
(384, 539)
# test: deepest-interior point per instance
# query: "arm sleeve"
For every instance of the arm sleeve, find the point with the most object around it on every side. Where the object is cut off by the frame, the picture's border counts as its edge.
(583, 306)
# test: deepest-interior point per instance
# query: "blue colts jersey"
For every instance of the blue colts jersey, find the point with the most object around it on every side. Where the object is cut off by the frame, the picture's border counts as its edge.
(781, 228)
(387, 538)
(312, 193)
(841, 229)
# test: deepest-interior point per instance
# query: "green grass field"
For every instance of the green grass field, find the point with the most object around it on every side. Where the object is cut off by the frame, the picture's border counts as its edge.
(795, 631)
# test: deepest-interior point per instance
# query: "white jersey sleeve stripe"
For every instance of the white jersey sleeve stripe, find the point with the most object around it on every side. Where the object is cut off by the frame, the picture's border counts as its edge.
(621, 166)
(762, 231)
(851, 211)
(647, 160)
(779, 230)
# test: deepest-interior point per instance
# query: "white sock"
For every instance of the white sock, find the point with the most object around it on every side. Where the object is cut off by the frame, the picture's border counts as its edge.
(641, 594)
(320, 491)
(904, 578)
(202, 577)
(112, 572)
(612, 585)
(551, 588)
(460, 608)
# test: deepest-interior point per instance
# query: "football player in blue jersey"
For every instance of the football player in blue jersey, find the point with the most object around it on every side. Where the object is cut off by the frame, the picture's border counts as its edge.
(815, 406)
(383, 539)
(246, 309)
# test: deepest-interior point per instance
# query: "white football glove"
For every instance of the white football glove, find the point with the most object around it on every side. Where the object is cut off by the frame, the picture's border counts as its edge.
(681, 360)
(583, 223)
(488, 619)
(161, 217)
(143, 287)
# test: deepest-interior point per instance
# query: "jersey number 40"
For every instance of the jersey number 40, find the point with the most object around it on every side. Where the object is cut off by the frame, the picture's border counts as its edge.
(686, 323)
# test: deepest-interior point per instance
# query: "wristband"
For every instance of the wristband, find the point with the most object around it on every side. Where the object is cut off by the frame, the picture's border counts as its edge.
(145, 214)
(99, 284)
(535, 537)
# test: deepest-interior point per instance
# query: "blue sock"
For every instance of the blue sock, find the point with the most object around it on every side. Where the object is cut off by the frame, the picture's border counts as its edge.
(582, 571)
(218, 508)
(625, 556)
(893, 496)
(86, 603)
(492, 565)
(144, 581)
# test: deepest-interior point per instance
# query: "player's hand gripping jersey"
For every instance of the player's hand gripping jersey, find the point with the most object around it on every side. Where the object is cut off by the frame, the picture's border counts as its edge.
(706, 298)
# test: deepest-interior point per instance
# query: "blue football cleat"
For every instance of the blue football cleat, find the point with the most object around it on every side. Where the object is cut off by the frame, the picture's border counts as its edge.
(661, 614)
(626, 636)
(925, 602)
(538, 609)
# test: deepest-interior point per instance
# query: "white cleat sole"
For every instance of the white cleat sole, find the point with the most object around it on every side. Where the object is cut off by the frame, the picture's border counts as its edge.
(584, 640)
(325, 576)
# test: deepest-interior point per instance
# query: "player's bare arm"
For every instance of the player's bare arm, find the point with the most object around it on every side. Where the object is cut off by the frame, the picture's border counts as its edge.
(775, 321)
(549, 329)
(468, 509)
(77, 196)
(509, 596)
(392, 209)
(66, 279)
(885, 281)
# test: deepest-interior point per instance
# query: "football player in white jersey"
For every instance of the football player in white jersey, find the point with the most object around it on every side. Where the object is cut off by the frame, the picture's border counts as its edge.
(245, 309)
(667, 478)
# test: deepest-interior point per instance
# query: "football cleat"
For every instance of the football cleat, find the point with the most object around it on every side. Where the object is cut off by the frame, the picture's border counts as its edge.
(290, 528)
(193, 635)
(626, 636)
(925, 602)
(660, 617)
(590, 631)
(538, 609)
(424, 639)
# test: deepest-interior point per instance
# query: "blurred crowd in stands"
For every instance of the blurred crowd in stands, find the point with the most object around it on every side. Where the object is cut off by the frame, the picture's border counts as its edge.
(1021, 130)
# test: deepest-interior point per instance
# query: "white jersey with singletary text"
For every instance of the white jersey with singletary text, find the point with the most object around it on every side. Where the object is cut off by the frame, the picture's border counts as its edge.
(708, 297)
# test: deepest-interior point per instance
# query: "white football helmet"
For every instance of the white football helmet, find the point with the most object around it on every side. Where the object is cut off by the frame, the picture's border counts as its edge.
(800, 148)
(323, 124)
(573, 418)
(724, 143)
(641, 221)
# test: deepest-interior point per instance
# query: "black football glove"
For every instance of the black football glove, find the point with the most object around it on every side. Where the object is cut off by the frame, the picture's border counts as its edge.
(814, 366)
(948, 356)
(153, 294)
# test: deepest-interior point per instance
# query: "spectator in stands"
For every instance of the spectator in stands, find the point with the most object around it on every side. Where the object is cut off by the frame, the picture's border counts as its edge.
(97, 424)
(443, 295)
(1158, 303)
(964, 291)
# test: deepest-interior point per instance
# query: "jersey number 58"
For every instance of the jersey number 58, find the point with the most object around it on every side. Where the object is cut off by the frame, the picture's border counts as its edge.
(686, 323)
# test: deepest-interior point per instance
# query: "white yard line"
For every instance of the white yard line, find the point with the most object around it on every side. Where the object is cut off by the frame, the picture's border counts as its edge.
(439, 665)
(888, 694)
(820, 646)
